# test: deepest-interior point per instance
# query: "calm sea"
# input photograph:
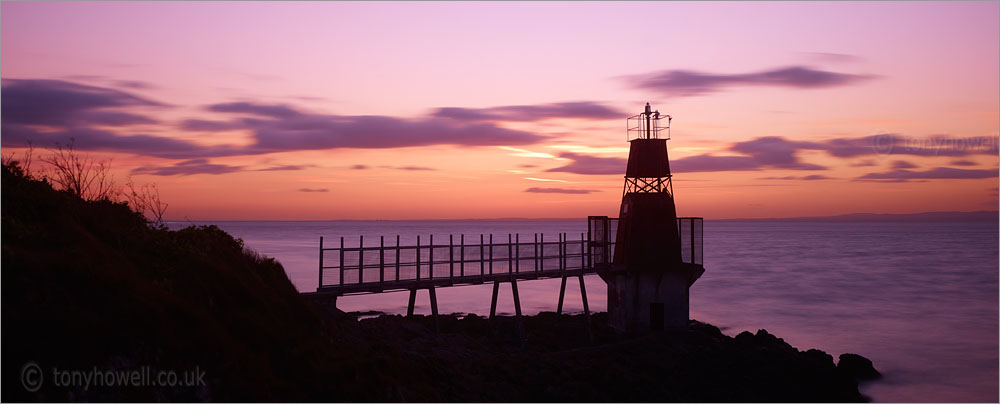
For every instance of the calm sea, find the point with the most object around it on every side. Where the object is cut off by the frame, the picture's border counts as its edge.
(919, 299)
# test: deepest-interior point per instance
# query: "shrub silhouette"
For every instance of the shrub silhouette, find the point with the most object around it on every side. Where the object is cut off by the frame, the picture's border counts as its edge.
(92, 283)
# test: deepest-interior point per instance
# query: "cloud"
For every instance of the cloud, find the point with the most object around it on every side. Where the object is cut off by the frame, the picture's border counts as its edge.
(313, 190)
(69, 110)
(202, 166)
(282, 168)
(689, 83)
(289, 130)
(358, 167)
(407, 168)
(97, 139)
(86, 77)
(765, 152)
(708, 163)
(134, 84)
(130, 84)
(863, 146)
(558, 191)
(201, 125)
(50, 111)
(591, 165)
(189, 167)
(864, 163)
(518, 152)
(890, 143)
(814, 177)
(933, 174)
(832, 57)
(779, 153)
(525, 113)
(270, 111)
(61, 104)
(775, 152)
(111, 118)
(963, 163)
(544, 179)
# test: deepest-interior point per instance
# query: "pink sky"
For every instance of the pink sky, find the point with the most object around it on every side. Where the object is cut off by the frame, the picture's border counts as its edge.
(238, 110)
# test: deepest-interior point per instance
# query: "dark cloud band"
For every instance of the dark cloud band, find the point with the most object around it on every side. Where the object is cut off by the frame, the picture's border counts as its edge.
(689, 83)
(527, 113)
(536, 190)
(54, 111)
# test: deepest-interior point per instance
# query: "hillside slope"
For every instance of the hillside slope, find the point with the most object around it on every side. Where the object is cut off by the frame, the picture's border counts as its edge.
(90, 284)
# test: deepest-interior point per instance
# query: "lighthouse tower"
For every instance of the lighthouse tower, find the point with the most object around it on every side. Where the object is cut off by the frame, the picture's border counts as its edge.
(648, 286)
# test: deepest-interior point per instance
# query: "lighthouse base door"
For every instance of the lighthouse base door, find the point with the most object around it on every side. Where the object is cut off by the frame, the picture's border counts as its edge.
(642, 301)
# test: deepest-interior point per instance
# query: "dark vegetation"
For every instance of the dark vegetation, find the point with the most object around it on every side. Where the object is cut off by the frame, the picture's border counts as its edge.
(92, 283)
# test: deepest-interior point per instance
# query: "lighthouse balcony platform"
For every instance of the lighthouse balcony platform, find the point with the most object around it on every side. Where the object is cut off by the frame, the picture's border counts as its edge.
(602, 233)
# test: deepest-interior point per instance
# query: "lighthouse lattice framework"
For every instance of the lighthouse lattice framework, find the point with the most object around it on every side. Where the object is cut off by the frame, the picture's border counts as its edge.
(649, 288)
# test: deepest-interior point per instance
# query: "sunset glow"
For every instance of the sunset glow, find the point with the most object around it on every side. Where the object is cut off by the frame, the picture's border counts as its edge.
(312, 111)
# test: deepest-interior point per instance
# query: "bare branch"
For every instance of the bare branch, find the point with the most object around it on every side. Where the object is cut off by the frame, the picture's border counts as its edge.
(92, 180)
(22, 164)
(81, 175)
(145, 200)
(28, 157)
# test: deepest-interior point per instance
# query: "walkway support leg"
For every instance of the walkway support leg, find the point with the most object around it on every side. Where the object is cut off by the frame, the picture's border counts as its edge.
(517, 309)
(586, 308)
(493, 306)
(517, 300)
(434, 309)
(562, 294)
(413, 299)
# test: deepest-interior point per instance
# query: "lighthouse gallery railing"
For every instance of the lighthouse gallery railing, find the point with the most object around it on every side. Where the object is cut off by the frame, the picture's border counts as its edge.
(602, 232)
(374, 268)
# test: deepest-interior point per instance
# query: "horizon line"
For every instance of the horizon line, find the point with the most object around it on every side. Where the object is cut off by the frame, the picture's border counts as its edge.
(802, 218)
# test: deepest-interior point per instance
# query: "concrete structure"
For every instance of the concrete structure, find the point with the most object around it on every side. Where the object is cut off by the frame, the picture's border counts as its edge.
(648, 288)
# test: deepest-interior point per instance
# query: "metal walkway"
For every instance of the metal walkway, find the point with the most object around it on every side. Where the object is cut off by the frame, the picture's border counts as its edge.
(386, 268)
(383, 268)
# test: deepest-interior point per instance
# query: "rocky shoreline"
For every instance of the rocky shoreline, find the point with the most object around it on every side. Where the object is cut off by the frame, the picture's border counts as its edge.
(473, 359)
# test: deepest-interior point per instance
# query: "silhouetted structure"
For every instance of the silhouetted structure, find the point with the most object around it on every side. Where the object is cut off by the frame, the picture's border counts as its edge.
(649, 257)
(649, 288)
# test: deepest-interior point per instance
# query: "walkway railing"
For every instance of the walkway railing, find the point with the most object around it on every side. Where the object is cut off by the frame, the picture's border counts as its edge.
(692, 231)
(602, 231)
(393, 266)
(459, 261)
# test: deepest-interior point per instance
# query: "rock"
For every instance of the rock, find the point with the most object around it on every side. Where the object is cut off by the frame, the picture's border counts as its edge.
(744, 338)
(819, 356)
(858, 367)
(765, 338)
